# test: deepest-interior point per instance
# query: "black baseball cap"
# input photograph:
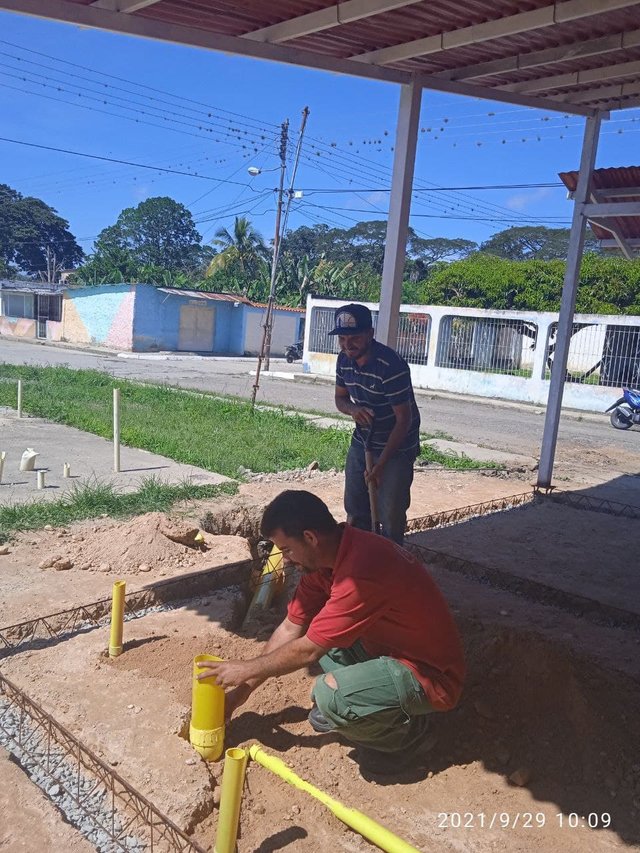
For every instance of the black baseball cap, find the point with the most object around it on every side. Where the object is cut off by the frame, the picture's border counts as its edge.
(352, 319)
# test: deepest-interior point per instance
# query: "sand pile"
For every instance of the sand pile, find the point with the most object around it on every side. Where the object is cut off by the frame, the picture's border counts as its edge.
(142, 544)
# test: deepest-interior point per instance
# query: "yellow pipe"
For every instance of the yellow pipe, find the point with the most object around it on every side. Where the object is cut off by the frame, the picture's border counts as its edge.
(235, 765)
(206, 731)
(366, 826)
(271, 580)
(117, 618)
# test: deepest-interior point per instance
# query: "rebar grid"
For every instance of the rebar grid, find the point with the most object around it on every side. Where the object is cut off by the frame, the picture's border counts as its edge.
(56, 626)
(454, 516)
(579, 605)
(577, 500)
(48, 744)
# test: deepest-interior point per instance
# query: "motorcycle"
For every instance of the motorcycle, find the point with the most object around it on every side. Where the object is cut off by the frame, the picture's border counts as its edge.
(625, 412)
(294, 352)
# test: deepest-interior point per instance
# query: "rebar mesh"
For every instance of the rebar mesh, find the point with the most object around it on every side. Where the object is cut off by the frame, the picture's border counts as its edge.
(119, 815)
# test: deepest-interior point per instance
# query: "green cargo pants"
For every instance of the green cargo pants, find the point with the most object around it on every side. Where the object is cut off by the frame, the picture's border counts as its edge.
(378, 703)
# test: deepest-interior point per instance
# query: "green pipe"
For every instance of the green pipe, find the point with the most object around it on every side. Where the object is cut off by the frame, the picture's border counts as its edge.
(366, 826)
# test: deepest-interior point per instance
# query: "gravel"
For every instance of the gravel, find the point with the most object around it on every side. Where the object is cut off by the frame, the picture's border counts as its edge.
(62, 783)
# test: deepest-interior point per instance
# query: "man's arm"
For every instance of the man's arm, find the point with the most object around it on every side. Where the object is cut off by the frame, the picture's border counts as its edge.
(394, 442)
(361, 414)
(287, 650)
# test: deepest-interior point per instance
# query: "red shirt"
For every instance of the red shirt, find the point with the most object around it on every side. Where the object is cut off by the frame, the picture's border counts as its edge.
(383, 596)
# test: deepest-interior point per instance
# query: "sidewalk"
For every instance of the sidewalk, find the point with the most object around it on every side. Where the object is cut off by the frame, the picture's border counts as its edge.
(90, 457)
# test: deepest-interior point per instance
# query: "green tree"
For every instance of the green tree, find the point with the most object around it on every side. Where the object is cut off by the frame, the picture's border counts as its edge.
(159, 233)
(30, 233)
(242, 251)
(537, 242)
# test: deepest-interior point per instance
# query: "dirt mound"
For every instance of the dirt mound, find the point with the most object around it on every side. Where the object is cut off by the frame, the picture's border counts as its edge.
(130, 547)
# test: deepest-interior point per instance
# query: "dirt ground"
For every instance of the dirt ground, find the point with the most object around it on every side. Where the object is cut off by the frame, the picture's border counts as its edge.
(549, 694)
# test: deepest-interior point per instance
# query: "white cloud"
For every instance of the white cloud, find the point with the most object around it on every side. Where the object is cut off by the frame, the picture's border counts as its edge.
(525, 199)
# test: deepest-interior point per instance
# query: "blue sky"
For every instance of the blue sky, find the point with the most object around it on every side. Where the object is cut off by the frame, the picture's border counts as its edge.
(202, 112)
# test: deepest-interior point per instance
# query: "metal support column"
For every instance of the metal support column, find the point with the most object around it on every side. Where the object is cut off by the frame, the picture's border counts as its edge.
(399, 207)
(568, 302)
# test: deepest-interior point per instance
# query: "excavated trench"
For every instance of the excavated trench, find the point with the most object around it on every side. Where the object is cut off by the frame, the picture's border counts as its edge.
(543, 728)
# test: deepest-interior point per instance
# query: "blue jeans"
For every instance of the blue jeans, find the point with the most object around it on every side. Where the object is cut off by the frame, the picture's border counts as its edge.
(394, 493)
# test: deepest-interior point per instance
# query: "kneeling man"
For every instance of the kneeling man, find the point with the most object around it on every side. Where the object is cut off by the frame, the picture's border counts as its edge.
(372, 616)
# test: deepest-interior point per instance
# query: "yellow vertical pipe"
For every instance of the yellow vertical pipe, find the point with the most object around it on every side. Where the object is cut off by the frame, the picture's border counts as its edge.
(117, 618)
(366, 826)
(235, 765)
(206, 731)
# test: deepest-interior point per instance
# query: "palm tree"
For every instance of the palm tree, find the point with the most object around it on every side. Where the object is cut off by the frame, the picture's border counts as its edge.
(243, 249)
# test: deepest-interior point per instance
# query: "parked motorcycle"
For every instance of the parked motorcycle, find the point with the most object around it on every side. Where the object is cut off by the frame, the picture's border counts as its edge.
(294, 352)
(625, 412)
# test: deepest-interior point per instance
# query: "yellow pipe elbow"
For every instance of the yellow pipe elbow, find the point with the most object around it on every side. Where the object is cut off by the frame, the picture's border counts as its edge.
(206, 730)
(117, 619)
(361, 823)
(235, 765)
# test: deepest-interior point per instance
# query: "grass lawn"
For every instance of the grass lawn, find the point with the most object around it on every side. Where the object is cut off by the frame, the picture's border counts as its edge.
(92, 501)
(216, 434)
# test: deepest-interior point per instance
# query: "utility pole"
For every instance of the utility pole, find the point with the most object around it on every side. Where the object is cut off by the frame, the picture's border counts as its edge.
(265, 350)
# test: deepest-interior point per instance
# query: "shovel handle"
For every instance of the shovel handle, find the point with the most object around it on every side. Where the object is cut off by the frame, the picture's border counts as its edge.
(373, 495)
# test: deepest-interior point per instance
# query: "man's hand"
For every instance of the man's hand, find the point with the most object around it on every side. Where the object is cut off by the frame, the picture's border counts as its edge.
(362, 415)
(228, 673)
(375, 475)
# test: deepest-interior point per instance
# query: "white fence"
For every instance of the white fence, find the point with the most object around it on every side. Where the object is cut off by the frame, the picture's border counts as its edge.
(499, 354)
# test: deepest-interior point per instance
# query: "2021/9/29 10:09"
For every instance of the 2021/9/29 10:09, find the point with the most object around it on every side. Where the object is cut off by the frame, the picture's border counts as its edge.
(525, 820)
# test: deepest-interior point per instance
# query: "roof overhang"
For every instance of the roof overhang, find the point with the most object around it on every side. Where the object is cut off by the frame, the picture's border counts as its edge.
(613, 208)
(575, 56)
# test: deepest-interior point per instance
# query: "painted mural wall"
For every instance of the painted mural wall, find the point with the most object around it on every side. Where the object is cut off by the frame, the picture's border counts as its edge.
(17, 327)
(99, 315)
(160, 319)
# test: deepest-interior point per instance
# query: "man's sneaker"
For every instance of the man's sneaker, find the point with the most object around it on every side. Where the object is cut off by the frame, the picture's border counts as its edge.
(319, 722)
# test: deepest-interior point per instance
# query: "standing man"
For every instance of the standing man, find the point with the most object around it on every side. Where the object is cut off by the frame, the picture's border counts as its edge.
(373, 386)
(372, 616)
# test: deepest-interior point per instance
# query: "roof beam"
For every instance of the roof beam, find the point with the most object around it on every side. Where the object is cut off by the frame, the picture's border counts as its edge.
(136, 25)
(603, 210)
(324, 19)
(607, 193)
(575, 78)
(125, 6)
(612, 244)
(523, 62)
(620, 90)
(548, 16)
(618, 240)
(626, 104)
(488, 94)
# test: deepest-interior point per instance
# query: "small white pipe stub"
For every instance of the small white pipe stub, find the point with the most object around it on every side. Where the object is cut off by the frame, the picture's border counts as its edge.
(28, 461)
(40, 479)
(66, 471)
(3, 456)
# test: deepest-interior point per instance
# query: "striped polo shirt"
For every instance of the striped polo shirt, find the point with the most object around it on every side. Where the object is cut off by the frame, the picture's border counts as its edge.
(384, 381)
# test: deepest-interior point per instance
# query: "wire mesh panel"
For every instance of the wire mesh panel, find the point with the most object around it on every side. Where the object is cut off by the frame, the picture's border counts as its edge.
(487, 344)
(599, 354)
(413, 337)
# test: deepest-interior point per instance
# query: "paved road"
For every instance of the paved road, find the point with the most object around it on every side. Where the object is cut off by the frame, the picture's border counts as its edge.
(517, 429)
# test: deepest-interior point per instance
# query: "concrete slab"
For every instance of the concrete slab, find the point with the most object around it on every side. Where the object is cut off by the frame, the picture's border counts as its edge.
(90, 458)
(481, 454)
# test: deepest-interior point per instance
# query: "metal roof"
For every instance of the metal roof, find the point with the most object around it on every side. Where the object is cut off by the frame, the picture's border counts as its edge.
(224, 297)
(39, 287)
(612, 187)
(577, 56)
